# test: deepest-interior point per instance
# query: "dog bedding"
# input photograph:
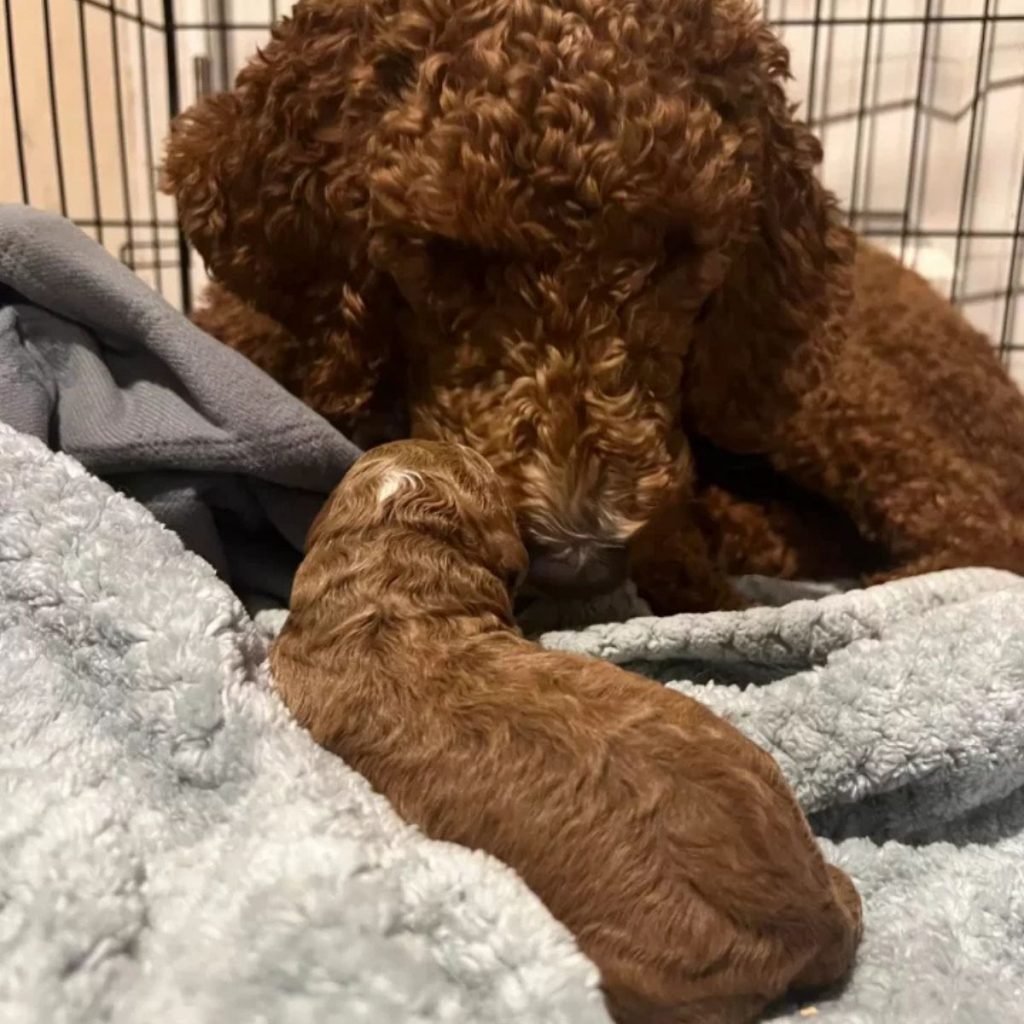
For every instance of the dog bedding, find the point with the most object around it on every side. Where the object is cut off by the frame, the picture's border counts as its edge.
(172, 847)
(96, 365)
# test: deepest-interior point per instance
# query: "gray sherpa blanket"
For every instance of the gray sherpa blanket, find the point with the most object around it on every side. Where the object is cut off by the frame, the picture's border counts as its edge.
(173, 848)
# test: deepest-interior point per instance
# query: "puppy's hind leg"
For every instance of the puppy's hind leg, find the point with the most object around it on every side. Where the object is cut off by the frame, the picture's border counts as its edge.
(739, 1009)
(834, 960)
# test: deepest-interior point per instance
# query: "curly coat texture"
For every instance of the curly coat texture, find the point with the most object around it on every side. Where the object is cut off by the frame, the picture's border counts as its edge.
(581, 237)
(666, 841)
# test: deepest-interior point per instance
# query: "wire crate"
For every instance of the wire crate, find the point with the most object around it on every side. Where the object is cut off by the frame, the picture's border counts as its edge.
(919, 104)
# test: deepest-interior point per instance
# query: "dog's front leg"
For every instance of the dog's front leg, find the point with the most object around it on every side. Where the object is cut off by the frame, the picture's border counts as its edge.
(917, 433)
(673, 566)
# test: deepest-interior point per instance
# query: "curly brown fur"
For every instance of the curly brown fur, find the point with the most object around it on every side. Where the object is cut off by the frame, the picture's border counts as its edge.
(667, 842)
(759, 521)
(915, 436)
(574, 236)
(918, 432)
(527, 206)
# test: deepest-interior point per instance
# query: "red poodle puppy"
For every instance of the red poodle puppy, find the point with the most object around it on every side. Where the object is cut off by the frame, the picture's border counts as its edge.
(666, 841)
(580, 237)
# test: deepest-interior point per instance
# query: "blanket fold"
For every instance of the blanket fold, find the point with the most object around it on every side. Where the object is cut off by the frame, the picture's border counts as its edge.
(95, 364)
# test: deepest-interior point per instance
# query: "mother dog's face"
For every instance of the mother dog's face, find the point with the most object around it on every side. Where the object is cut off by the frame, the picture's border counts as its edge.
(523, 208)
(556, 227)
(563, 368)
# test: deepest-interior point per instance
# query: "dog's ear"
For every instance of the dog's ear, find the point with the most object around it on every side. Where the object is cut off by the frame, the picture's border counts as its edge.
(266, 195)
(773, 327)
(201, 157)
(251, 196)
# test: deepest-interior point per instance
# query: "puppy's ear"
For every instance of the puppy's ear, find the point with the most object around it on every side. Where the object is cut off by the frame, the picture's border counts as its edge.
(268, 194)
(774, 326)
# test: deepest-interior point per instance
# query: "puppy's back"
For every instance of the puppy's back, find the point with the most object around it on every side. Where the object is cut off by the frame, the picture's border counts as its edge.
(667, 842)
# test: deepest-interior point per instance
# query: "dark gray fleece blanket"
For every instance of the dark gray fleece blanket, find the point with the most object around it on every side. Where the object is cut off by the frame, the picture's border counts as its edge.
(97, 365)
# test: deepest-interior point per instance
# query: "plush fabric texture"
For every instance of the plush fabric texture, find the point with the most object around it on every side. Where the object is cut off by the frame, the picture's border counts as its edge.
(174, 848)
(97, 365)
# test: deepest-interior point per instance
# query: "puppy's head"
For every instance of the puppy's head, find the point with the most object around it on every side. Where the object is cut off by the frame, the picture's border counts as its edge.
(437, 490)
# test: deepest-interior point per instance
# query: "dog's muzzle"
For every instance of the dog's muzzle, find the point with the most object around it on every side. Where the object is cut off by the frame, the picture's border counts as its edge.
(577, 570)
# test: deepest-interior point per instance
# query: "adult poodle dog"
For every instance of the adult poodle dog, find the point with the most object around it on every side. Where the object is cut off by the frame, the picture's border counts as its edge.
(586, 239)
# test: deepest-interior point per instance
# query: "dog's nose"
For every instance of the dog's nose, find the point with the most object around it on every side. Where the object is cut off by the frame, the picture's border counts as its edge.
(577, 570)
